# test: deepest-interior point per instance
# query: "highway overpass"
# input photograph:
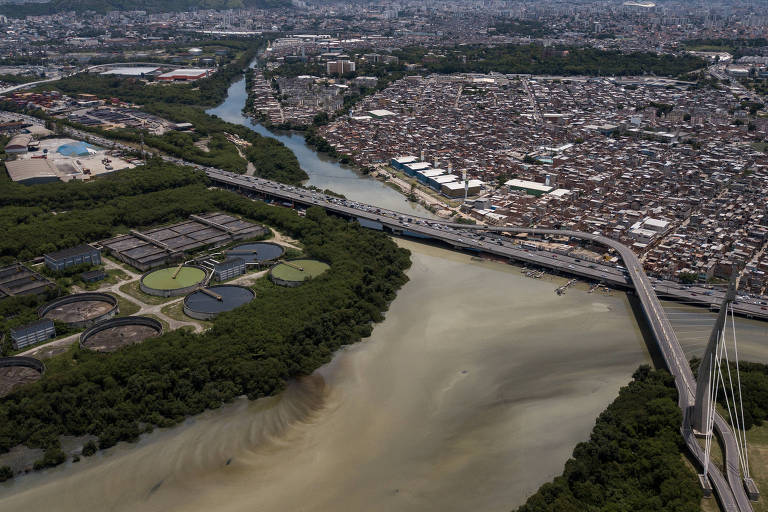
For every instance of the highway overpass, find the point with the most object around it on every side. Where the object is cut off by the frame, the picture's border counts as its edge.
(730, 491)
(729, 487)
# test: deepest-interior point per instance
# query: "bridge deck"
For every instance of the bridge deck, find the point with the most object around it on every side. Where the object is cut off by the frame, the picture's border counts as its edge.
(730, 491)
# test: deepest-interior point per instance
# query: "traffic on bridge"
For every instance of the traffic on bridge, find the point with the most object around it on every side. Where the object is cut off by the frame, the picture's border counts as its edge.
(729, 487)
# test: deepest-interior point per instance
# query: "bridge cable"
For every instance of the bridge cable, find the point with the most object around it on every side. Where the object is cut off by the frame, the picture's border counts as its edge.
(708, 424)
(734, 419)
(714, 390)
(727, 401)
(741, 401)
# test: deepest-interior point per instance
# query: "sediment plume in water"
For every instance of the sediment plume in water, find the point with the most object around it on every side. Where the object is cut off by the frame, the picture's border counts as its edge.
(470, 395)
(140, 475)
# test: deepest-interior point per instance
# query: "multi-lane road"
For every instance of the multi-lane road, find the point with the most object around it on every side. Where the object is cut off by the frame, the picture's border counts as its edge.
(729, 488)
(487, 239)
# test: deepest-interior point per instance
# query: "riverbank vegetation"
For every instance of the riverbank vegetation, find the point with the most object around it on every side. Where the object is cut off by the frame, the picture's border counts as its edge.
(632, 460)
(209, 143)
(252, 351)
(206, 92)
(634, 457)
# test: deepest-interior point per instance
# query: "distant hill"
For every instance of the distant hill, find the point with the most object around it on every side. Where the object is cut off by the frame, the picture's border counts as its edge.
(19, 10)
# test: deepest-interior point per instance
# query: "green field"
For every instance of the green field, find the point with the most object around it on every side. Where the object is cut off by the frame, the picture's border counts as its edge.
(163, 279)
(311, 268)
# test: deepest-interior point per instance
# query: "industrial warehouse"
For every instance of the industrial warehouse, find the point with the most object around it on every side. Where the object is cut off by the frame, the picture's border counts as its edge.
(164, 245)
(441, 180)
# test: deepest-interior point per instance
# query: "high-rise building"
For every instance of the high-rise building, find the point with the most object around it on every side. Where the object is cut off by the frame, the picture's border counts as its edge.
(340, 67)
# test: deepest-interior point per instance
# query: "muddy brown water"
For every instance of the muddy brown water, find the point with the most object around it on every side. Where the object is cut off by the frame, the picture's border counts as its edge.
(470, 395)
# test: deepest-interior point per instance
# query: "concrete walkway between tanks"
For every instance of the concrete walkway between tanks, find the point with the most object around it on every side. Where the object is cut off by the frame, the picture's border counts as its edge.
(145, 309)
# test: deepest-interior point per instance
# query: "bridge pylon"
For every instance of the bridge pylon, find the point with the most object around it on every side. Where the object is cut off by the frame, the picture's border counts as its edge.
(701, 417)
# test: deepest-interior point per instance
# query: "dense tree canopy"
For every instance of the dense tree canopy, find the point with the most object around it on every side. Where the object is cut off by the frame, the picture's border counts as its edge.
(632, 460)
(251, 351)
(47, 217)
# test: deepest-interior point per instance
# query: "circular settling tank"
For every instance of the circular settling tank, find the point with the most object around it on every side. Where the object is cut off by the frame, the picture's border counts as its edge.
(16, 371)
(295, 272)
(81, 309)
(120, 332)
(172, 281)
(256, 252)
(205, 304)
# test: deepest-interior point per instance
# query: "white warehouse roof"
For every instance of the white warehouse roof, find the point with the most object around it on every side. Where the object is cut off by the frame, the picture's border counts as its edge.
(381, 113)
(459, 185)
(418, 166)
(530, 185)
(138, 71)
(431, 173)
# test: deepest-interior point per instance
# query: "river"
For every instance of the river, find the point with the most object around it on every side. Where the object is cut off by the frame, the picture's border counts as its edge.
(468, 396)
(324, 172)
(471, 394)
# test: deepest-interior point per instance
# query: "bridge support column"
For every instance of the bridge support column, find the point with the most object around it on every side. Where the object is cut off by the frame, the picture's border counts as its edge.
(706, 487)
(752, 492)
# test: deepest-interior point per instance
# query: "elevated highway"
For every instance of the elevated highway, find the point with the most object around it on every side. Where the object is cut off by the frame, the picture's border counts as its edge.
(730, 490)
(729, 487)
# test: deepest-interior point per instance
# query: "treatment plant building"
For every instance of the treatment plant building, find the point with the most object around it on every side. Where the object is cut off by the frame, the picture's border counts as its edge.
(32, 333)
(81, 255)
(164, 245)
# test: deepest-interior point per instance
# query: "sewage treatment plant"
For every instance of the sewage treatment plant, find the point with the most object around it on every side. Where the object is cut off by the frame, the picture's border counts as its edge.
(295, 272)
(172, 281)
(15, 371)
(120, 332)
(206, 303)
(81, 309)
(260, 252)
